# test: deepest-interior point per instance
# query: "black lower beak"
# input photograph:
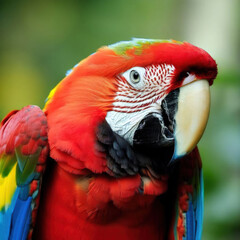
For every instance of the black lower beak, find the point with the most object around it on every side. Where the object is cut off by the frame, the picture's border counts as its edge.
(154, 136)
(153, 133)
(175, 130)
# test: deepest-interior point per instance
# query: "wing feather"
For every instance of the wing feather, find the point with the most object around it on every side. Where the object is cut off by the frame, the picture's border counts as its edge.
(189, 204)
(23, 153)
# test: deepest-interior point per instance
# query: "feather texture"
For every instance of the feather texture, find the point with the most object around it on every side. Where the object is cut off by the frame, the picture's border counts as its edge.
(23, 151)
(97, 184)
(188, 221)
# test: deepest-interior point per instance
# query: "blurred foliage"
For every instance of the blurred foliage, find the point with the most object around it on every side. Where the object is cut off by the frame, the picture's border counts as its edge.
(41, 40)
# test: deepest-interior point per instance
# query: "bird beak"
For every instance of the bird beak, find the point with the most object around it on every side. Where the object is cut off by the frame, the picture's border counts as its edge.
(191, 116)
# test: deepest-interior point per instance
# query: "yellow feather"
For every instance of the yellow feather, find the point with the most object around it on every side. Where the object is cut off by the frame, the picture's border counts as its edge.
(8, 186)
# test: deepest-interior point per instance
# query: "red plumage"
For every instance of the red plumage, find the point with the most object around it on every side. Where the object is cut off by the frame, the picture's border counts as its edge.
(80, 199)
(82, 99)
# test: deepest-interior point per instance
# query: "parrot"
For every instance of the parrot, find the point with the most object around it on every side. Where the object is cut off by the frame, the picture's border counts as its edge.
(113, 154)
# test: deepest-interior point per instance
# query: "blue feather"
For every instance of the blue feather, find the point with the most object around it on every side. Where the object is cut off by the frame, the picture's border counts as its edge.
(21, 219)
(68, 72)
(190, 222)
(6, 217)
(200, 207)
(194, 215)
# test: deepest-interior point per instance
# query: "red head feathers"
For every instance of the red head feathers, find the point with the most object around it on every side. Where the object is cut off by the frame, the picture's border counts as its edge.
(83, 98)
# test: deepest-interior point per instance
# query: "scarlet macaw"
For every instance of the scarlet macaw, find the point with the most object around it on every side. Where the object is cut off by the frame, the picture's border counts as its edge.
(117, 140)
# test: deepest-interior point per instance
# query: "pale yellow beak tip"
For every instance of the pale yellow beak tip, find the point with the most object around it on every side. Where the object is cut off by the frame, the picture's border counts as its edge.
(191, 117)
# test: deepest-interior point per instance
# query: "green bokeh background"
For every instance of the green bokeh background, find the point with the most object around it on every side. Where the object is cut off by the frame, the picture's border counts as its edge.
(40, 41)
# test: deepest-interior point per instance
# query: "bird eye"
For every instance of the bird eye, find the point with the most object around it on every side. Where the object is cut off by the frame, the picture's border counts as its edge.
(134, 76)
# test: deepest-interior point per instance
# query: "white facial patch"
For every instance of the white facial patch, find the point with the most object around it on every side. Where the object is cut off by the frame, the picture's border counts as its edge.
(125, 124)
(140, 92)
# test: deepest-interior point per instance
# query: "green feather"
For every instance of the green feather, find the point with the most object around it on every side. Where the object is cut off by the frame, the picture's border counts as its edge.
(122, 47)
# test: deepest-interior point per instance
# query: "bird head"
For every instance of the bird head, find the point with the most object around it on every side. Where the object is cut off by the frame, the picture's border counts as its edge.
(153, 93)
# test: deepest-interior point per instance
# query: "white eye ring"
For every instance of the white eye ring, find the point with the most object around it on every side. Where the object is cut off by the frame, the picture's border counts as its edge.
(135, 77)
